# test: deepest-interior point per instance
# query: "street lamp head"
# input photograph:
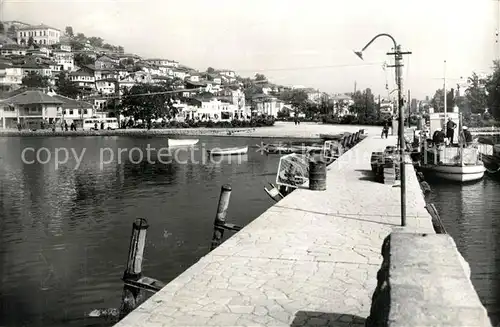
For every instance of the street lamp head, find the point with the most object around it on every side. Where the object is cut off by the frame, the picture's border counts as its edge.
(359, 54)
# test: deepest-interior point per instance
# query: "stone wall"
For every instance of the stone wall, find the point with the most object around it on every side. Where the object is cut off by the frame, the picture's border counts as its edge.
(424, 281)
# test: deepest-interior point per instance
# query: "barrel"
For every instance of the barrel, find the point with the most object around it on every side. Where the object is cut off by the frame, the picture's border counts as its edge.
(317, 175)
(375, 159)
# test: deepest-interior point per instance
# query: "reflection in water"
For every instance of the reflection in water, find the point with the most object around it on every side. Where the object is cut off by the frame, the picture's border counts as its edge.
(470, 213)
(64, 232)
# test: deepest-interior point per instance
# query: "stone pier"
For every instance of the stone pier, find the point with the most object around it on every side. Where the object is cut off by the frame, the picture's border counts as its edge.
(310, 260)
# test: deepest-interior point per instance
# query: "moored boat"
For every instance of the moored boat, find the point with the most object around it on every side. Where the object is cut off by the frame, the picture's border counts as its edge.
(228, 151)
(181, 142)
(457, 173)
(331, 137)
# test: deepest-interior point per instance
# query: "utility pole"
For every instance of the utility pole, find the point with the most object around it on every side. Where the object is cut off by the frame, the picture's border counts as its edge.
(398, 57)
(409, 108)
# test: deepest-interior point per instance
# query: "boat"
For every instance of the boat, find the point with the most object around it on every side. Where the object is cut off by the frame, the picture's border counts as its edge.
(181, 142)
(331, 137)
(228, 151)
(452, 163)
(456, 173)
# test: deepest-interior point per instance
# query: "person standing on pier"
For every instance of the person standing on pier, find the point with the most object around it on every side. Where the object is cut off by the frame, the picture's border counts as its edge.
(385, 130)
(450, 130)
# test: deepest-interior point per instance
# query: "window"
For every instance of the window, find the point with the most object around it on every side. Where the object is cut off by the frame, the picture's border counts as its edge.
(71, 112)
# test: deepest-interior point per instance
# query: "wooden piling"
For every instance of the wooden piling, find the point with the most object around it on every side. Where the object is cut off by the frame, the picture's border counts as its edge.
(317, 175)
(220, 217)
(133, 296)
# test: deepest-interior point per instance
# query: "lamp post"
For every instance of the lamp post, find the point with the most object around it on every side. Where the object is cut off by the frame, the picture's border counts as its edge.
(398, 56)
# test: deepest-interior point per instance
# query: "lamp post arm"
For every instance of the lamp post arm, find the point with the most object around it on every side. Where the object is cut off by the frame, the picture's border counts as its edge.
(376, 37)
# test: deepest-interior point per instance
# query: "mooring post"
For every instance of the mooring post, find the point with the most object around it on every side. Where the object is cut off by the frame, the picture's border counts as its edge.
(220, 217)
(317, 174)
(133, 296)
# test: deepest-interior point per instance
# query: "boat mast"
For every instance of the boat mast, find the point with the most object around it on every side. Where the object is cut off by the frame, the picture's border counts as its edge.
(444, 92)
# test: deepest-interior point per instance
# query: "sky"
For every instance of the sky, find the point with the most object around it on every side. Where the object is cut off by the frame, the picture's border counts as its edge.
(292, 42)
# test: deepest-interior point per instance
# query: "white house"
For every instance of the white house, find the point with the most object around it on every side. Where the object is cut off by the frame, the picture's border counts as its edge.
(10, 75)
(267, 105)
(82, 78)
(64, 59)
(106, 86)
(162, 62)
(41, 34)
(13, 50)
(29, 108)
(212, 109)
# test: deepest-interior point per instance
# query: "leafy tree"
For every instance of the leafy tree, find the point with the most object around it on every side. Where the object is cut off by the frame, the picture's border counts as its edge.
(437, 101)
(35, 80)
(81, 37)
(364, 106)
(76, 45)
(30, 41)
(69, 31)
(96, 41)
(260, 77)
(493, 89)
(476, 93)
(66, 87)
(2, 28)
(297, 98)
(82, 60)
(12, 30)
(146, 107)
(210, 70)
(121, 49)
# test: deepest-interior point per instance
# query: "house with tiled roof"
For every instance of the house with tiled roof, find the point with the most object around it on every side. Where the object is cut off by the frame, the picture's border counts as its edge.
(106, 86)
(13, 50)
(163, 62)
(107, 62)
(84, 79)
(73, 110)
(41, 34)
(29, 108)
(264, 104)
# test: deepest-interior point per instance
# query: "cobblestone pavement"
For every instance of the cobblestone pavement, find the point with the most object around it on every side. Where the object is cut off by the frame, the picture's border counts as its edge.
(310, 260)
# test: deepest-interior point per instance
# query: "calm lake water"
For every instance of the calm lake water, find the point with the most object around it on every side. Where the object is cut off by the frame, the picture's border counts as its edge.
(471, 215)
(64, 233)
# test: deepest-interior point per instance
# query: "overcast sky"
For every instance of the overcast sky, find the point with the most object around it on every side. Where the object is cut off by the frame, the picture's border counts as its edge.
(293, 42)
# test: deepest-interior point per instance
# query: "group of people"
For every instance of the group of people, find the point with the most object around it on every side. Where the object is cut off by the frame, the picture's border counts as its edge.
(439, 137)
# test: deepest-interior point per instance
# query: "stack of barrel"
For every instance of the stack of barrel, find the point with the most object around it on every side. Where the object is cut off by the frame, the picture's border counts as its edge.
(384, 165)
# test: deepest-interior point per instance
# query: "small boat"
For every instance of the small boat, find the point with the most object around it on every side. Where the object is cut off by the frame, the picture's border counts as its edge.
(181, 142)
(331, 137)
(228, 151)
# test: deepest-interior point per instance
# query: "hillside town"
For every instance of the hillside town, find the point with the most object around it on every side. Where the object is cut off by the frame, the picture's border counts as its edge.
(102, 75)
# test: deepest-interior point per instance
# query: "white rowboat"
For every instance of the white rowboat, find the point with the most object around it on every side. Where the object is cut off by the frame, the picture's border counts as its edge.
(181, 142)
(228, 151)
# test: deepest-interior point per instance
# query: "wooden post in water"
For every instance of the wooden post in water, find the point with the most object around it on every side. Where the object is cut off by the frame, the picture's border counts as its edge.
(133, 296)
(317, 174)
(220, 217)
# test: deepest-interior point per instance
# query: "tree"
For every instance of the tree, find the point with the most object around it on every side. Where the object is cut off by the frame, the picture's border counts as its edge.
(69, 31)
(493, 91)
(66, 87)
(260, 77)
(35, 80)
(76, 46)
(364, 106)
(81, 37)
(437, 101)
(147, 107)
(83, 60)
(210, 70)
(12, 30)
(476, 93)
(96, 41)
(2, 28)
(297, 98)
(30, 41)
(121, 50)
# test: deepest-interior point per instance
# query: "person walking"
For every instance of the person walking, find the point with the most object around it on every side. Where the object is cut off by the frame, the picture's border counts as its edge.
(385, 130)
(450, 130)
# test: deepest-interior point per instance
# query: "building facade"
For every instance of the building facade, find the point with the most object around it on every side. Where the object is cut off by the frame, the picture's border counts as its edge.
(41, 34)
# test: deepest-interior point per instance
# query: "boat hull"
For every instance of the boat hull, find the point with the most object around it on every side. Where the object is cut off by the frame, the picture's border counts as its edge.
(466, 173)
(228, 152)
(181, 142)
